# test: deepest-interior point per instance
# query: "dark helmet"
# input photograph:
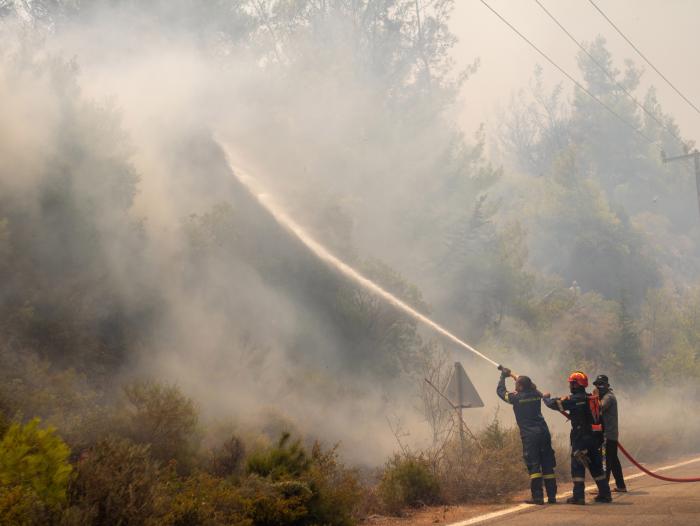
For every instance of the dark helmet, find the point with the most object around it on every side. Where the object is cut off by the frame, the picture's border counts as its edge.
(601, 381)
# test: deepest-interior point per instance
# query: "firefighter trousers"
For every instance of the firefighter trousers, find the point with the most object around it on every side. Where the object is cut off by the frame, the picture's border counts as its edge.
(540, 461)
(591, 458)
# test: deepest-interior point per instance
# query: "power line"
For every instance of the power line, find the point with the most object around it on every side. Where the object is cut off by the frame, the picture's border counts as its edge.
(610, 76)
(643, 56)
(567, 75)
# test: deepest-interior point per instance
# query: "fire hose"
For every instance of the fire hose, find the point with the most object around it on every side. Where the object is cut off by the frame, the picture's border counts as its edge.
(629, 456)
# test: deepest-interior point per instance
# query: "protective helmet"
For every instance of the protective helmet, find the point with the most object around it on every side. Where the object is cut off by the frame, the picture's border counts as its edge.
(601, 381)
(579, 378)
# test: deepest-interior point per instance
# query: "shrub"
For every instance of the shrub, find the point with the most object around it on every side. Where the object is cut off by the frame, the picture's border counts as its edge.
(283, 503)
(286, 485)
(165, 419)
(117, 481)
(21, 506)
(337, 489)
(227, 460)
(35, 460)
(282, 461)
(408, 481)
(487, 470)
(203, 500)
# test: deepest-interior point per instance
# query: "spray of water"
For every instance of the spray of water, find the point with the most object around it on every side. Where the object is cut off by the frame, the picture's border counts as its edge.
(320, 251)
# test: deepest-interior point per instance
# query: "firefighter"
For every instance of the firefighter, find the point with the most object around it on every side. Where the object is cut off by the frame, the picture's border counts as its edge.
(608, 406)
(585, 451)
(534, 433)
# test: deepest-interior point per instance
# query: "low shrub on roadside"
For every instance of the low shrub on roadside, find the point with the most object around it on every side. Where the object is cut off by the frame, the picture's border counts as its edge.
(408, 481)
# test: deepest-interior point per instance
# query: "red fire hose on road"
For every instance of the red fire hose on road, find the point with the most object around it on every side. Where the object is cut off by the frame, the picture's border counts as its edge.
(651, 473)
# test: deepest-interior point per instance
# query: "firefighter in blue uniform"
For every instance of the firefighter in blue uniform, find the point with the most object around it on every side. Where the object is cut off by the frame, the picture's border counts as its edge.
(585, 447)
(534, 433)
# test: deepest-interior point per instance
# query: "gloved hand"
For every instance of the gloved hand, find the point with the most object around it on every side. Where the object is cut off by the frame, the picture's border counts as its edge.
(505, 372)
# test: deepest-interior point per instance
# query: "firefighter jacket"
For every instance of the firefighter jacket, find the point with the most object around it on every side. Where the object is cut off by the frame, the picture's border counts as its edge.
(579, 415)
(527, 409)
(608, 406)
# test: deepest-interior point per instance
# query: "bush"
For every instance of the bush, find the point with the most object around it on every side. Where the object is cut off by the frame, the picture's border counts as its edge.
(490, 469)
(283, 461)
(408, 481)
(163, 418)
(227, 459)
(35, 460)
(21, 506)
(117, 483)
(203, 500)
(286, 485)
(337, 489)
(283, 503)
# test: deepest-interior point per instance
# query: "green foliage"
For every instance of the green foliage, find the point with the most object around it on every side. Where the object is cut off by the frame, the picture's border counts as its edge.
(283, 503)
(202, 500)
(162, 417)
(116, 483)
(289, 486)
(35, 459)
(337, 489)
(285, 460)
(21, 506)
(407, 480)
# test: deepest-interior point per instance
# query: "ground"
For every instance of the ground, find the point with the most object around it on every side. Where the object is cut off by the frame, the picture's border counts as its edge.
(649, 502)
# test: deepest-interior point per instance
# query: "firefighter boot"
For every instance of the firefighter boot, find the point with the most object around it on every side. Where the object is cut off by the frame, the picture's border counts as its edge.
(603, 490)
(550, 484)
(536, 490)
(578, 497)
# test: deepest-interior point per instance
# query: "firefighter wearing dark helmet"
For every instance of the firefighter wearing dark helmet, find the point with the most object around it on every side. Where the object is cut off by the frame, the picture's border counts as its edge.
(585, 448)
(534, 433)
(608, 406)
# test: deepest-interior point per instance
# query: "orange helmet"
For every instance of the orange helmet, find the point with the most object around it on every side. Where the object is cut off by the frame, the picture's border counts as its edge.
(577, 377)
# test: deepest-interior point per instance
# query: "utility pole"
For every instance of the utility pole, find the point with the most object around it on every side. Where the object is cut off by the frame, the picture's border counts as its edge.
(695, 155)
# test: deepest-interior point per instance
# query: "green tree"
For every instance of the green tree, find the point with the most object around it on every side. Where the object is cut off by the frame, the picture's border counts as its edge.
(628, 349)
(35, 459)
(162, 417)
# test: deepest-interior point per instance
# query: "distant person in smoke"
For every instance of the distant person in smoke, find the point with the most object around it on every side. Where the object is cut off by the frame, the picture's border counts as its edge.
(585, 447)
(608, 406)
(534, 433)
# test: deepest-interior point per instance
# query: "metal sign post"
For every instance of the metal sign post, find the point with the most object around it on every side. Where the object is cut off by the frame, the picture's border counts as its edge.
(462, 394)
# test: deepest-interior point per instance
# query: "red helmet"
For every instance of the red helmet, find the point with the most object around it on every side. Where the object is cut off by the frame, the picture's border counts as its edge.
(579, 378)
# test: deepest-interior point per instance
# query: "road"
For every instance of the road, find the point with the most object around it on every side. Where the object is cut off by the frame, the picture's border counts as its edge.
(649, 502)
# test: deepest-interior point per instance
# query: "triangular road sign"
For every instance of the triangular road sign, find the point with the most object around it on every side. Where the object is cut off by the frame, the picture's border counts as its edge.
(461, 391)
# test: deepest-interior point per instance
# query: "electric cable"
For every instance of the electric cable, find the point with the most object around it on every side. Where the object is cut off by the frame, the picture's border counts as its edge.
(566, 74)
(619, 31)
(610, 76)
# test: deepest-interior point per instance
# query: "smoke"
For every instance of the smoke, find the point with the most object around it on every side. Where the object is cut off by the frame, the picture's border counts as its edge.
(108, 111)
(110, 169)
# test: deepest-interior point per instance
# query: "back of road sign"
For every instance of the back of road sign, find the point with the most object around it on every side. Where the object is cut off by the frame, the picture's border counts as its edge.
(461, 391)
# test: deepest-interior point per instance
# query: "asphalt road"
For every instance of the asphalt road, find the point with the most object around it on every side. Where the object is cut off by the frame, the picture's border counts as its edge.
(649, 502)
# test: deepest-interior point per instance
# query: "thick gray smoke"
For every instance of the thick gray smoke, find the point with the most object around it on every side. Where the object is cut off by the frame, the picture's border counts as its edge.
(112, 107)
(345, 114)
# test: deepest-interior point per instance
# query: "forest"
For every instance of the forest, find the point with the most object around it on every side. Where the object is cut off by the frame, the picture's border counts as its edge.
(171, 355)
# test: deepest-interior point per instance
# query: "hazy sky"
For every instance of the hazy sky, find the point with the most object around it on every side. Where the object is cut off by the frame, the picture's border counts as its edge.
(666, 31)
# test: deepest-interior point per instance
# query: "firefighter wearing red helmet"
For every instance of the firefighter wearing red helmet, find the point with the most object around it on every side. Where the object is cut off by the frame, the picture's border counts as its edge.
(585, 447)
